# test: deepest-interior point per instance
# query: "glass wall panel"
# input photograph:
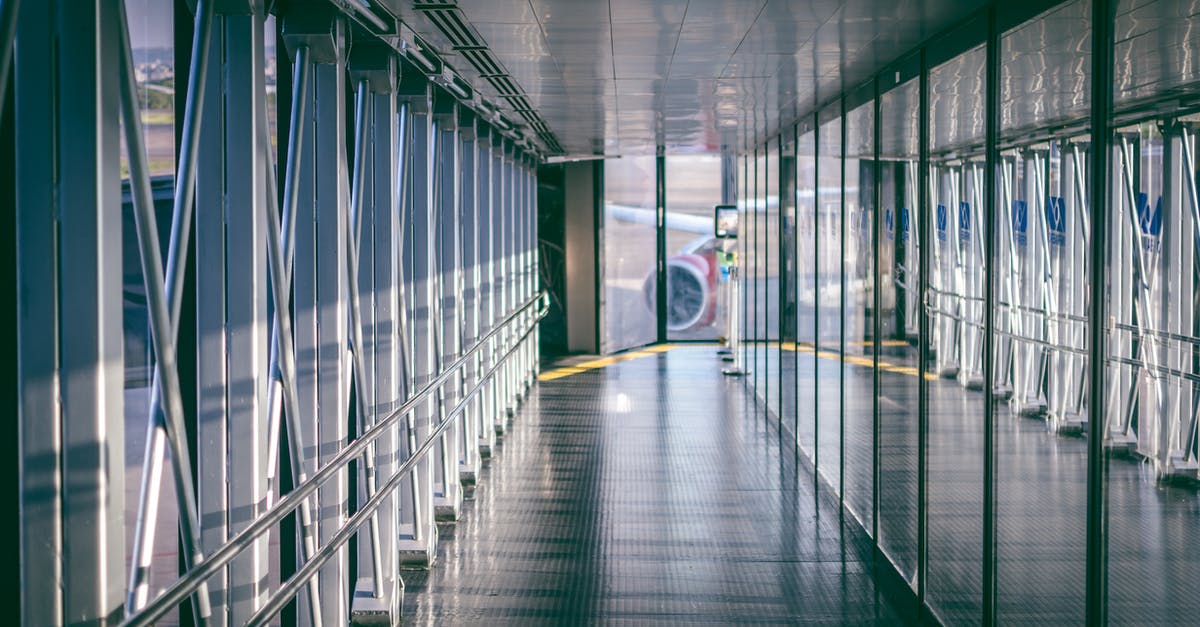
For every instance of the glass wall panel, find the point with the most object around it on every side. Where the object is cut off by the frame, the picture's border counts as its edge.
(695, 304)
(754, 271)
(955, 306)
(1153, 346)
(829, 302)
(152, 46)
(152, 42)
(745, 252)
(806, 292)
(769, 208)
(787, 278)
(761, 264)
(858, 320)
(630, 317)
(1040, 319)
(899, 302)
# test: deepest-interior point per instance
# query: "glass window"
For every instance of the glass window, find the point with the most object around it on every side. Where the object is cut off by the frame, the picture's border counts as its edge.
(757, 262)
(769, 211)
(746, 255)
(806, 291)
(270, 77)
(1153, 349)
(630, 251)
(829, 301)
(900, 240)
(858, 318)
(151, 38)
(954, 589)
(1040, 320)
(787, 277)
(695, 304)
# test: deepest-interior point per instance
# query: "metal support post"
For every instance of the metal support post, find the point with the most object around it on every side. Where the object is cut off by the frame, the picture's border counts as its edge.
(247, 348)
(487, 281)
(80, 160)
(418, 549)
(1096, 583)
(469, 330)
(363, 378)
(446, 275)
(992, 161)
(320, 285)
(410, 508)
(532, 284)
(385, 344)
(283, 401)
(39, 378)
(502, 248)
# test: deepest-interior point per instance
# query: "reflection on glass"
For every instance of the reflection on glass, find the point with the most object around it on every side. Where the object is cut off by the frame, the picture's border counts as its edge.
(1153, 401)
(270, 79)
(695, 302)
(955, 306)
(630, 246)
(1153, 521)
(829, 302)
(806, 291)
(1040, 320)
(1155, 50)
(858, 319)
(899, 301)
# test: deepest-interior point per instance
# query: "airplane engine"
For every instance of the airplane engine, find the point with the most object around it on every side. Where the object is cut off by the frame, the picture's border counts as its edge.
(691, 289)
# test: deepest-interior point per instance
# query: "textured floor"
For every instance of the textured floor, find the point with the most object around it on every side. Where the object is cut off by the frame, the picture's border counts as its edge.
(648, 491)
(1154, 528)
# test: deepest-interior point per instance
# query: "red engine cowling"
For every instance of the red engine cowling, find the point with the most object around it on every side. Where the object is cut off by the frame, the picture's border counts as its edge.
(691, 290)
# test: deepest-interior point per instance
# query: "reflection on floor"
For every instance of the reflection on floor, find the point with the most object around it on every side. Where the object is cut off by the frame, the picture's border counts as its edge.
(652, 490)
(1154, 529)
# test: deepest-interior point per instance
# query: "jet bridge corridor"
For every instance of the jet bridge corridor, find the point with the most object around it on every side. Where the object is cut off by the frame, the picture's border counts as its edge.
(330, 312)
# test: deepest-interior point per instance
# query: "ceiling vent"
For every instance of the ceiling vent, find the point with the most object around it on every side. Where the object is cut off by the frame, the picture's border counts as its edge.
(448, 19)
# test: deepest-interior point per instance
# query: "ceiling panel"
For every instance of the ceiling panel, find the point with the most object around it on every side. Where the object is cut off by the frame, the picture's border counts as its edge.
(626, 76)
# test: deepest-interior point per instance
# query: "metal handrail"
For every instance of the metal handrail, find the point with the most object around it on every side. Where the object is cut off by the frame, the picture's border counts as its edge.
(292, 586)
(195, 577)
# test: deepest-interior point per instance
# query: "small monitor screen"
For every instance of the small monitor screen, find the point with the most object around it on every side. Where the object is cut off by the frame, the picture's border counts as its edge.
(727, 221)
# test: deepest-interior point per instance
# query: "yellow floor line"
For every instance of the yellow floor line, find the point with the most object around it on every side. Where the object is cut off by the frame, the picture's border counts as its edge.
(854, 359)
(593, 364)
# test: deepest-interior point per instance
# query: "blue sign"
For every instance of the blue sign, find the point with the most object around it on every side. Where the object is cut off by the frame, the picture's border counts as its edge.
(904, 224)
(889, 223)
(1056, 220)
(941, 222)
(964, 221)
(1150, 222)
(1020, 221)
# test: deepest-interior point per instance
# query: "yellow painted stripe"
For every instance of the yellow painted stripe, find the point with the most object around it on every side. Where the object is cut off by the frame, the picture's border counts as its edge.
(854, 359)
(601, 362)
(593, 364)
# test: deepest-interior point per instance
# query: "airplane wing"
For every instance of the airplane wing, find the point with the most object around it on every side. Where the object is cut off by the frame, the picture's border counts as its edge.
(702, 225)
(676, 221)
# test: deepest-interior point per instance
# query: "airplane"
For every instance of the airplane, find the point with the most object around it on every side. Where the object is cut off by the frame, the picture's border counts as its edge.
(693, 272)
